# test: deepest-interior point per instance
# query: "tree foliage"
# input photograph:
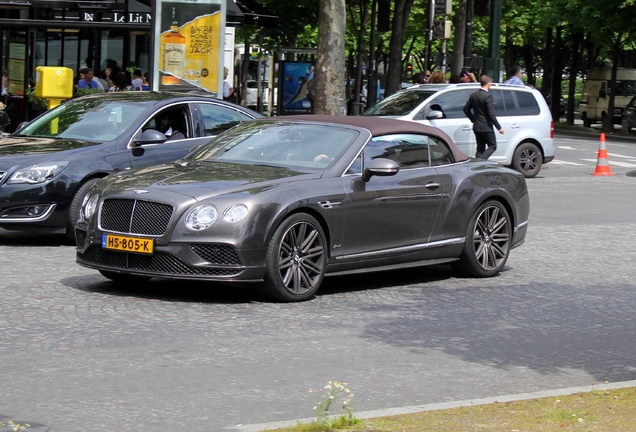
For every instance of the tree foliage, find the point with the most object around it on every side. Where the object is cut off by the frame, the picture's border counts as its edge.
(552, 39)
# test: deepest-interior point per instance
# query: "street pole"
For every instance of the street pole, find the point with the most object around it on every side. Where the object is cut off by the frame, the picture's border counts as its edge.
(493, 65)
(468, 43)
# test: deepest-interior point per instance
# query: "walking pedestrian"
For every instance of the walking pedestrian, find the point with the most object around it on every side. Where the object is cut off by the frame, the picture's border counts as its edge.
(481, 112)
(515, 77)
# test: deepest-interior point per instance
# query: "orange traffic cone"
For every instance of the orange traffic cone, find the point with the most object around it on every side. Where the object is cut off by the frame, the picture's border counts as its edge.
(602, 165)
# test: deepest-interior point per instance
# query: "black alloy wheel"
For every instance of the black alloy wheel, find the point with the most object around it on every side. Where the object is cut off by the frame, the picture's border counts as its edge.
(296, 259)
(488, 241)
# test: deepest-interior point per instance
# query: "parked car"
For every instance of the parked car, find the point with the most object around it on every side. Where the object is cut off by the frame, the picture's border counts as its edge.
(528, 141)
(286, 203)
(48, 165)
(629, 118)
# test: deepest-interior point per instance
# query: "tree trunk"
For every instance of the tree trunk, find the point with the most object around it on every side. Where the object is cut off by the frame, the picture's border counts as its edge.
(574, 69)
(459, 22)
(400, 17)
(330, 95)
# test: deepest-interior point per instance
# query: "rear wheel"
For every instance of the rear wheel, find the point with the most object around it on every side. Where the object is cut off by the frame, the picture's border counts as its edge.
(527, 159)
(296, 259)
(487, 241)
(76, 204)
(122, 278)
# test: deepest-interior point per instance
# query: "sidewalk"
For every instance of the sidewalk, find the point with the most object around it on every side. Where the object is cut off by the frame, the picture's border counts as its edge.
(580, 130)
(443, 405)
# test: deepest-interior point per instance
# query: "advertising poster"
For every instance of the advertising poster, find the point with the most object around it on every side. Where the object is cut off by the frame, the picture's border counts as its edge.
(297, 88)
(17, 62)
(190, 46)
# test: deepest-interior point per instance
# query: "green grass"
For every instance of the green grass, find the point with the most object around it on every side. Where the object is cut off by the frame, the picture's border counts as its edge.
(597, 411)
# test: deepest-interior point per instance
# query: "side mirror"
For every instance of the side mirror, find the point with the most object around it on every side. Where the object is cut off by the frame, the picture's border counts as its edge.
(380, 167)
(151, 136)
(21, 126)
(434, 115)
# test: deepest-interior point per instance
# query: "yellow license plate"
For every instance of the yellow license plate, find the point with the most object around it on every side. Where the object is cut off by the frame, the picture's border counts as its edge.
(128, 244)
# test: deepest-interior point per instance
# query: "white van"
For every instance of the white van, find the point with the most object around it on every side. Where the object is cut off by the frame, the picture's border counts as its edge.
(528, 141)
(597, 89)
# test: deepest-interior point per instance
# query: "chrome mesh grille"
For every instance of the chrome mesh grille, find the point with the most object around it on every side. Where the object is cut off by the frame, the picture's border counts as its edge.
(160, 263)
(135, 216)
(217, 254)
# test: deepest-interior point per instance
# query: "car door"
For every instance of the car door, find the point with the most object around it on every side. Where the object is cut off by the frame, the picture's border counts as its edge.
(397, 212)
(454, 122)
(171, 150)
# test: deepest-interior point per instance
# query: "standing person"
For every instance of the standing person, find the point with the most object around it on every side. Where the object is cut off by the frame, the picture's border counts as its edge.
(228, 91)
(5, 82)
(467, 77)
(137, 80)
(427, 77)
(481, 112)
(515, 76)
(120, 83)
(145, 86)
(438, 77)
(86, 80)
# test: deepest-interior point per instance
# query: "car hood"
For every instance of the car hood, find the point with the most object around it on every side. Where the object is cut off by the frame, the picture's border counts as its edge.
(26, 149)
(201, 180)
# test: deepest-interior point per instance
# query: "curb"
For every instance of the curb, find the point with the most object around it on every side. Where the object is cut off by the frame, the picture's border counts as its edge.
(592, 132)
(443, 405)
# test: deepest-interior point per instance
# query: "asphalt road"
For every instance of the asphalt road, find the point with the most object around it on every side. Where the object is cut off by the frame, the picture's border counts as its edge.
(79, 353)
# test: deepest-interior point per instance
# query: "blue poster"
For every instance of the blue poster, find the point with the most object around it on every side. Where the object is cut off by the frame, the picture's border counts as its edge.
(297, 82)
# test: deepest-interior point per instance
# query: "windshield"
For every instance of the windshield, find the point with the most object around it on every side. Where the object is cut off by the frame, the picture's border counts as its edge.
(399, 104)
(284, 144)
(86, 119)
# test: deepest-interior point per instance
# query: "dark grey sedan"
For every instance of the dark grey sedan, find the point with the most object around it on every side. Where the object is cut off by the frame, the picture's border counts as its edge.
(48, 165)
(286, 201)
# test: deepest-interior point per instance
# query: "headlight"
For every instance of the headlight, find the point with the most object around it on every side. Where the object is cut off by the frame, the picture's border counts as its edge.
(38, 173)
(89, 206)
(201, 217)
(235, 213)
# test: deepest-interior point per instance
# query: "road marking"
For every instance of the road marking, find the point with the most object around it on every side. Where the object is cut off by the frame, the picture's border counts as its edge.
(620, 156)
(566, 148)
(614, 163)
(561, 162)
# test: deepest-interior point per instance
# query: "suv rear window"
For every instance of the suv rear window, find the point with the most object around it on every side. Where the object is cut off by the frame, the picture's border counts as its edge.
(505, 105)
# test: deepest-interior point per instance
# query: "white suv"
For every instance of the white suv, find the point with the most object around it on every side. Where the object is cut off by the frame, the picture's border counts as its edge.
(528, 141)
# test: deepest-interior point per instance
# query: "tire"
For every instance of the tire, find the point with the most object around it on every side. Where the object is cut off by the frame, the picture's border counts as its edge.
(76, 204)
(125, 279)
(296, 259)
(488, 241)
(586, 122)
(527, 159)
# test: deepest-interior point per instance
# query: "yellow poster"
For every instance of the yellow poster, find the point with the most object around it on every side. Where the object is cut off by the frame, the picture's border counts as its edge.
(189, 53)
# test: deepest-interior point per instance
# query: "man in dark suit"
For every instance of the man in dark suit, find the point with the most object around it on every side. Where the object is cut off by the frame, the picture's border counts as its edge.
(481, 112)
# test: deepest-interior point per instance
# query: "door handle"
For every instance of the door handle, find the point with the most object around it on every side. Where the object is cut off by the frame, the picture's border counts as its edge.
(467, 128)
(515, 126)
(432, 185)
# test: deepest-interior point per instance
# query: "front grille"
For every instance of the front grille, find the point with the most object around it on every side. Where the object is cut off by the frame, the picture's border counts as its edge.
(217, 254)
(160, 263)
(2, 174)
(135, 216)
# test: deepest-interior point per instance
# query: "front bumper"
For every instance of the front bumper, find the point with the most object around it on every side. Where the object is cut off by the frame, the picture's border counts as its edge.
(175, 260)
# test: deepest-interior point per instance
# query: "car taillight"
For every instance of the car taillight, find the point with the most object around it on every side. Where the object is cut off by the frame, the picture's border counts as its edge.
(551, 129)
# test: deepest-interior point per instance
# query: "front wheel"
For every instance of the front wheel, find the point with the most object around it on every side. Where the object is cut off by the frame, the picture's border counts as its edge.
(527, 159)
(487, 241)
(76, 203)
(296, 259)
